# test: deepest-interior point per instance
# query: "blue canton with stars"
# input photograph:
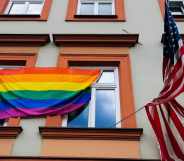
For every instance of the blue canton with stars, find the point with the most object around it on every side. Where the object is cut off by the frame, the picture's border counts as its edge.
(171, 36)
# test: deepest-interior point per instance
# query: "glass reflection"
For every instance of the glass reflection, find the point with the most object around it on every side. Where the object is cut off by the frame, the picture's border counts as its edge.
(105, 9)
(107, 77)
(35, 9)
(17, 8)
(79, 118)
(9, 67)
(87, 9)
(105, 115)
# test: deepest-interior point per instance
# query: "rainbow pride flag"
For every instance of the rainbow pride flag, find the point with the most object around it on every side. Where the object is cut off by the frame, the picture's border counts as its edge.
(29, 92)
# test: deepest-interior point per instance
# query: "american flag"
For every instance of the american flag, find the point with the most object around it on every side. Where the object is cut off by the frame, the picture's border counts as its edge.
(165, 113)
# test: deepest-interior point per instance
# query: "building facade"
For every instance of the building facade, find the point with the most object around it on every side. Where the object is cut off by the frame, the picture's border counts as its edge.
(120, 37)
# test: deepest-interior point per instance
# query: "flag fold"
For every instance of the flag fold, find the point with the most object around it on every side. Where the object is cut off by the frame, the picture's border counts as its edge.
(165, 113)
(29, 92)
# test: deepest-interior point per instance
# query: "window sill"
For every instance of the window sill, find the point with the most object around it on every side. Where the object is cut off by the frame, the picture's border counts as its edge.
(8, 132)
(54, 158)
(179, 18)
(94, 19)
(26, 39)
(95, 16)
(100, 40)
(6, 17)
(91, 133)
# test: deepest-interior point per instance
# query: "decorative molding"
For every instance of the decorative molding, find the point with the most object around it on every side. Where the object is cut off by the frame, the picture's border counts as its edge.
(45, 158)
(3, 4)
(9, 132)
(19, 16)
(6, 17)
(161, 4)
(91, 133)
(179, 18)
(115, 40)
(24, 39)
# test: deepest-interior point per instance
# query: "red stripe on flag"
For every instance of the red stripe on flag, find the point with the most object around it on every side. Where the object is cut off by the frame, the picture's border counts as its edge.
(156, 125)
(174, 143)
(177, 121)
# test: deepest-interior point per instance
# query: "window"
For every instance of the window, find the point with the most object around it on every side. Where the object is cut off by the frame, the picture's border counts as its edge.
(103, 110)
(95, 10)
(92, 51)
(24, 7)
(96, 7)
(177, 7)
(24, 10)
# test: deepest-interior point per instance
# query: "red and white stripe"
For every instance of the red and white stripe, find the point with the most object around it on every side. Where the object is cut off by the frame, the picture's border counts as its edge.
(166, 115)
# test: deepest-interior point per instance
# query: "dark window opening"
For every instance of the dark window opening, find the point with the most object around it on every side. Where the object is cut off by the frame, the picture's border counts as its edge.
(6, 63)
(93, 63)
(177, 7)
(1, 122)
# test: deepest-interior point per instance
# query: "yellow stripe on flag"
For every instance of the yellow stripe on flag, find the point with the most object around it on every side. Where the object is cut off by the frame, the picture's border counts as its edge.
(40, 86)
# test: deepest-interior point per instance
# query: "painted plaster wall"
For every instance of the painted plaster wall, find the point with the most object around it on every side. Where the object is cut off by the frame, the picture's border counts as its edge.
(143, 17)
(29, 141)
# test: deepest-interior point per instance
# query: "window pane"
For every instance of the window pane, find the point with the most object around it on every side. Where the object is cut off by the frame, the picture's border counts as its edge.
(9, 67)
(35, 9)
(87, 9)
(105, 9)
(176, 7)
(107, 77)
(105, 115)
(17, 8)
(1, 122)
(79, 118)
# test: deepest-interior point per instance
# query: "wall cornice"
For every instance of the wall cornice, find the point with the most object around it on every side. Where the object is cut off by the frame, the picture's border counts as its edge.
(9, 132)
(91, 133)
(28, 158)
(113, 40)
(24, 39)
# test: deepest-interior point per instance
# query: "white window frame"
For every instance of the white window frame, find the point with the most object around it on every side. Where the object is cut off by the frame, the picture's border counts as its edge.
(178, 13)
(26, 2)
(96, 3)
(95, 86)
